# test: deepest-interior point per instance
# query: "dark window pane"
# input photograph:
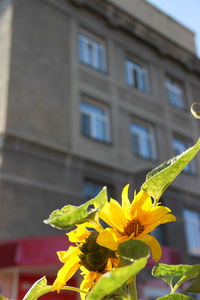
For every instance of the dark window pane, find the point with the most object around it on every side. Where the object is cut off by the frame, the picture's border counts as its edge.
(85, 124)
(135, 141)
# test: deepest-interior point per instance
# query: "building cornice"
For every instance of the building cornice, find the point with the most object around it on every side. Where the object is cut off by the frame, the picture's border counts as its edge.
(117, 18)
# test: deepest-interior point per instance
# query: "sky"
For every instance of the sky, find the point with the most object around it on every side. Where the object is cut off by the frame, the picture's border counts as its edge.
(186, 12)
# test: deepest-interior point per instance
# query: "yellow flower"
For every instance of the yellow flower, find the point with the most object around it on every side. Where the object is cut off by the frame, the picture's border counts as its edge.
(133, 221)
(93, 259)
(91, 277)
(71, 261)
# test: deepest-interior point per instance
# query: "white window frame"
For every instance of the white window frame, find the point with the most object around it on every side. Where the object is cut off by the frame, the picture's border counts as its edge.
(192, 231)
(98, 114)
(92, 53)
(137, 76)
(175, 93)
(145, 135)
(179, 146)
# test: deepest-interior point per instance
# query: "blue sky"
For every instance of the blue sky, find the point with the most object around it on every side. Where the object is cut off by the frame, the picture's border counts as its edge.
(186, 12)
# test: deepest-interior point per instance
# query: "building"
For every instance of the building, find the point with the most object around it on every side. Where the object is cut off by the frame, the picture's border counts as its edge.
(94, 93)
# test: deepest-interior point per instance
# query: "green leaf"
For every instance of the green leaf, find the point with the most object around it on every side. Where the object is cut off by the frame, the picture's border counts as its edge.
(175, 275)
(38, 289)
(175, 297)
(68, 216)
(192, 272)
(169, 273)
(194, 287)
(113, 280)
(160, 178)
(132, 250)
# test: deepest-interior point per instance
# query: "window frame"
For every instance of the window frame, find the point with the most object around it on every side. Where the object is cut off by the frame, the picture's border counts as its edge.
(150, 136)
(184, 145)
(191, 220)
(96, 58)
(137, 75)
(174, 87)
(102, 114)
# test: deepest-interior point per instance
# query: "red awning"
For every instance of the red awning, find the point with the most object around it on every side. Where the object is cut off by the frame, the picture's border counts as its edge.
(37, 251)
(32, 251)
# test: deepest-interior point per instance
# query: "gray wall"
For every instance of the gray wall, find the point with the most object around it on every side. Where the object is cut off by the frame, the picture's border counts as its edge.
(45, 159)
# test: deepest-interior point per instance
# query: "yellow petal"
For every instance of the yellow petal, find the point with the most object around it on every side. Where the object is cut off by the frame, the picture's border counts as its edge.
(168, 218)
(126, 203)
(88, 281)
(64, 255)
(163, 220)
(153, 244)
(138, 202)
(155, 215)
(109, 265)
(66, 272)
(147, 204)
(109, 238)
(113, 215)
(95, 226)
(79, 234)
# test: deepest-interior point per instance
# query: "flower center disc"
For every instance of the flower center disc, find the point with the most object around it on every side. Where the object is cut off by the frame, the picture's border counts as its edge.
(134, 226)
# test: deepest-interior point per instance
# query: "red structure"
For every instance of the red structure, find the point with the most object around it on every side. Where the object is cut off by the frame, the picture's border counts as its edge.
(30, 259)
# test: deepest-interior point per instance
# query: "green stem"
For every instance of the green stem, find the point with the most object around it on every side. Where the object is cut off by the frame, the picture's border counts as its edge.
(70, 288)
(174, 288)
(133, 289)
(126, 297)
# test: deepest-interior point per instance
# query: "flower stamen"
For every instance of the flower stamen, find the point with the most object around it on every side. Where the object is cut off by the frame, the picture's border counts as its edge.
(134, 226)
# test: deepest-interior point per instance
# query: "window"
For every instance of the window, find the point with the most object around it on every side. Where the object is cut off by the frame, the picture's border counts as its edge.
(180, 146)
(192, 231)
(143, 141)
(137, 76)
(153, 292)
(91, 189)
(95, 122)
(175, 93)
(92, 53)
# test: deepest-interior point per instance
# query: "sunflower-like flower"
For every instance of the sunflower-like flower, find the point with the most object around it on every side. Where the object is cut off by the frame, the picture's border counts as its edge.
(93, 259)
(133, 221)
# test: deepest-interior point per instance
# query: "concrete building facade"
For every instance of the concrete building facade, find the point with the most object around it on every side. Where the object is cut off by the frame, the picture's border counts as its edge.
(94, 93)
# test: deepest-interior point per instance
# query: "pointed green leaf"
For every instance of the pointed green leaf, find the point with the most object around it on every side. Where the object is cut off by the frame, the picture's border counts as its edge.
(113, 280)
(175, 275)
(194, 287)
(68, 216)
(132, 250)
(169, 273)
(175, 297)
(160, 178)
(38, 289)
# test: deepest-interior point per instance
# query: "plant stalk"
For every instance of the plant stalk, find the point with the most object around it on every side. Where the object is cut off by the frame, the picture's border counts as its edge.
(133, 289)
(70, 288)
